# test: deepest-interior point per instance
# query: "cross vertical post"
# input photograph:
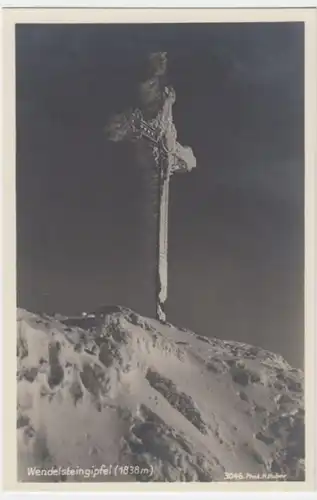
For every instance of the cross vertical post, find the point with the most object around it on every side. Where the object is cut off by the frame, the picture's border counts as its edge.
(169, 156)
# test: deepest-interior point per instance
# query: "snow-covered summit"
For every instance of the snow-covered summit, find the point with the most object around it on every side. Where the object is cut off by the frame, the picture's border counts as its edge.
(115, 388)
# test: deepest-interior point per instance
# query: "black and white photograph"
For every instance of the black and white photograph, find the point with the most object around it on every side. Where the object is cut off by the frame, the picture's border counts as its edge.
(160, 252)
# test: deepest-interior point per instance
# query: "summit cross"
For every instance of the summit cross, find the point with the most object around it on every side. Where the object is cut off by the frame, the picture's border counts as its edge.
(169, 155)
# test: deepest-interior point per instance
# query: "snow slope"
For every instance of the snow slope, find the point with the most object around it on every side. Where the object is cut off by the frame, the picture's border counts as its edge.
(120, 390)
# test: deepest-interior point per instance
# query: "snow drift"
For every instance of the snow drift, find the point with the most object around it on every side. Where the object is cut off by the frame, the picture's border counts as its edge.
(151, 402)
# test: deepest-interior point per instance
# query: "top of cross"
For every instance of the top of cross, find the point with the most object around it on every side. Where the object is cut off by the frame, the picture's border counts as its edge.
(152, 119)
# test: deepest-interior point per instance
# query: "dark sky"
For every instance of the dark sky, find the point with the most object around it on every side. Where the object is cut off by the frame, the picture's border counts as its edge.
(236, 224)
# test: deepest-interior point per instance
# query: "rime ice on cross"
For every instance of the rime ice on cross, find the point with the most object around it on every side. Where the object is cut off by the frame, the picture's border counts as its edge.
(168, 154)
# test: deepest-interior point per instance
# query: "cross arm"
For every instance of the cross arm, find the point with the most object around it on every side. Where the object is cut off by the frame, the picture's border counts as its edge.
(183, 159)
(130, 125)
(120, 126)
